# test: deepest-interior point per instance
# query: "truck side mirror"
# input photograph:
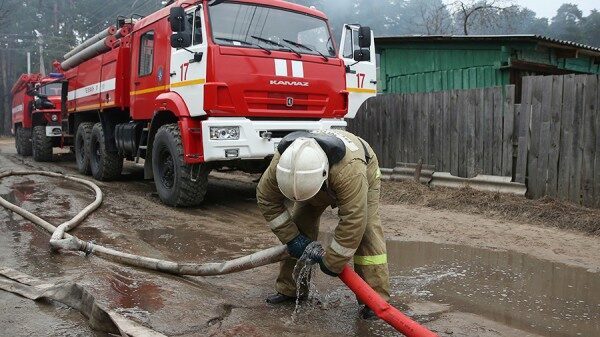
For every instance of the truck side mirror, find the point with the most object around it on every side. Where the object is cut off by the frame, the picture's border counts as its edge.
(364, 37)
(177, 19)
(181, 40)
(362, 55)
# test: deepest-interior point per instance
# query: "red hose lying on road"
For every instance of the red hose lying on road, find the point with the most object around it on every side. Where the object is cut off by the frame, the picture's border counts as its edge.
(383, 309)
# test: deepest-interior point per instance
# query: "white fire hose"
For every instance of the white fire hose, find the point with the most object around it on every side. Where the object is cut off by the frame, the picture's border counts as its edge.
(63, 241)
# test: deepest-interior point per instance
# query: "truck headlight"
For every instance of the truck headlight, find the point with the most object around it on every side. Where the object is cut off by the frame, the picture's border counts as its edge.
(225, 133)
(54, 118)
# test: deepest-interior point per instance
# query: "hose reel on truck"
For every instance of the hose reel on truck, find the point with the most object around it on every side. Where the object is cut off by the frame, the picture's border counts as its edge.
(61, 240)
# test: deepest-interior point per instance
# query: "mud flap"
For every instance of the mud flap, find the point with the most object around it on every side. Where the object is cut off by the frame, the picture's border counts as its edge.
(76, 297)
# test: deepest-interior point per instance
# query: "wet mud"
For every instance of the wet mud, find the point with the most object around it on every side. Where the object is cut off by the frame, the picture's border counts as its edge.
(457, 290)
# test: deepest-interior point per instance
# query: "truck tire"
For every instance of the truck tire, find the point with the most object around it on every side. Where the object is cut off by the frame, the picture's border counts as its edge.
(18, 140)
(177, 183)
(42, 145)
(105, 166)
(83, 138)
(23, 142)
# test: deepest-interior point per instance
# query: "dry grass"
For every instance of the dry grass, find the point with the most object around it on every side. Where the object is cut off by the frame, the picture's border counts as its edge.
(546, 211)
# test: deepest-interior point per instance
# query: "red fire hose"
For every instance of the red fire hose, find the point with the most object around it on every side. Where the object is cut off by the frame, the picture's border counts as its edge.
(383, 309)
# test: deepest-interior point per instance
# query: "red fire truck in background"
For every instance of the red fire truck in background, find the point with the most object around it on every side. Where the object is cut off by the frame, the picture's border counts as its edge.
(203, 85)
(37, 115)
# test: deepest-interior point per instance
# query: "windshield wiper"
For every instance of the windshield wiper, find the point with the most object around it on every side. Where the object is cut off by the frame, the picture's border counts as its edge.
(274, 43)
(297, 44)
(244, 42)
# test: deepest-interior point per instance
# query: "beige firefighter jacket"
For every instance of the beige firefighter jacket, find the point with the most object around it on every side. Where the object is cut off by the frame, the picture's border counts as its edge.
(347, 187)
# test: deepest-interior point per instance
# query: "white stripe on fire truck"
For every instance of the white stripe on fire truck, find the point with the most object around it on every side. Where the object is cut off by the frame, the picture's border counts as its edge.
(281, 67)
(93, 89)
(18, 108)
(297, 69)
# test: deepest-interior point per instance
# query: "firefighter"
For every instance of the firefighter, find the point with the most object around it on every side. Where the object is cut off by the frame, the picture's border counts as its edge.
(310, 172)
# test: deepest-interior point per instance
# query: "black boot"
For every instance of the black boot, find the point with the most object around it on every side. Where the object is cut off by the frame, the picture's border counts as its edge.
(280, 298)
(367, 314)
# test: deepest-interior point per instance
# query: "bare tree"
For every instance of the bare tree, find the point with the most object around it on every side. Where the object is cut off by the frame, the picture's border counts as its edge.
(429, 17)
(486, 13)
(436, 20)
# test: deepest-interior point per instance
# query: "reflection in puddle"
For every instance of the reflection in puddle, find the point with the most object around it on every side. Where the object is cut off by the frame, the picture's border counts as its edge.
(129, 292)
(518, 290)
(191, 244)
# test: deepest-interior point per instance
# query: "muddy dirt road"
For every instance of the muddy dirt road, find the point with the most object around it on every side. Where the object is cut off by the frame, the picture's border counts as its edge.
(459, 274)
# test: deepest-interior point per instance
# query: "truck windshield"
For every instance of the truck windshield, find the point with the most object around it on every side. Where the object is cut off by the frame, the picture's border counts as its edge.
(250, 26)
(52, 89)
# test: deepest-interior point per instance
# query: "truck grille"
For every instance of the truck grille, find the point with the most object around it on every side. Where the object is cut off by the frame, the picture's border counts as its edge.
(260, 101)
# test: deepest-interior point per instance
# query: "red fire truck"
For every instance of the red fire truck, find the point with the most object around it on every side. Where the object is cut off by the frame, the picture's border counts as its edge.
(203, 85)
(37, 115)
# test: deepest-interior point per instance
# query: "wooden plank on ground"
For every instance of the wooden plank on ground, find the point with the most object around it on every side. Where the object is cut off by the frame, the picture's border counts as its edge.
(589, 140)
(508, 135)
(566, 141)
(498, 125)
(546, 119)
(523, 133)
(577, 155)
(488, 130)
(554, 141)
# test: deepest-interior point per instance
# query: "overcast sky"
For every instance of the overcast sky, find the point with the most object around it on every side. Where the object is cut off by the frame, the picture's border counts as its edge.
(547, 8)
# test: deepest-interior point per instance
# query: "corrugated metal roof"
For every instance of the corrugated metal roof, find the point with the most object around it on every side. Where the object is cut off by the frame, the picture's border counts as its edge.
(516, 38)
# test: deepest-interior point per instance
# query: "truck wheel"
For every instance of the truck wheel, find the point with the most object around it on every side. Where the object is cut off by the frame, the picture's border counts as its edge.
(18, 140)
(177, 183)
(83, 138)
(23, 142)
(42, 145)
(104, 165)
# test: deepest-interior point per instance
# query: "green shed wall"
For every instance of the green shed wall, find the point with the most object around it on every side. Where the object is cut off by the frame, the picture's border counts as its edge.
(435, 66)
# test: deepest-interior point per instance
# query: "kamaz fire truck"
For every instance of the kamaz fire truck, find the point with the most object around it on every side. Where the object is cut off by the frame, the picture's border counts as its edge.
(203, 85)
(37, 115)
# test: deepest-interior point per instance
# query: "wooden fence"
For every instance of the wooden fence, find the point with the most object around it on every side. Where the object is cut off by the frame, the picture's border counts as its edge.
(551, 141)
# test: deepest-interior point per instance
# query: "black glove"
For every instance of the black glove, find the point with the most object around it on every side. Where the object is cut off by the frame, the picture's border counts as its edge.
(297, 246)
(317, 255)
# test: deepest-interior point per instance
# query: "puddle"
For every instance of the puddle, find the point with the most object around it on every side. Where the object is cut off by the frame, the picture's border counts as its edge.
(131, 293)
(543, 297)
(187, 244)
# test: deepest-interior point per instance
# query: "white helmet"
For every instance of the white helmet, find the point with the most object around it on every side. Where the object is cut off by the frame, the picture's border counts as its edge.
(302, 169)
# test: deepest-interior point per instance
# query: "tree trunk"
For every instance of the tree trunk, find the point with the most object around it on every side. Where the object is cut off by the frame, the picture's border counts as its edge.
(5, 112)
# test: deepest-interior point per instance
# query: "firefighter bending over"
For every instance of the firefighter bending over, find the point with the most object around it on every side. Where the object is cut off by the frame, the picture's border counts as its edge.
(316, 170)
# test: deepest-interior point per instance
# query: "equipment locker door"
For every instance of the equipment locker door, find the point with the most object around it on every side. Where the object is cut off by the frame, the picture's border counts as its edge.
(361, 77)
(188, 76)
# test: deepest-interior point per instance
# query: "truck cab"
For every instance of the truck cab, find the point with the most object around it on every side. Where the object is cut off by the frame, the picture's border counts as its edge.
(37, 115)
